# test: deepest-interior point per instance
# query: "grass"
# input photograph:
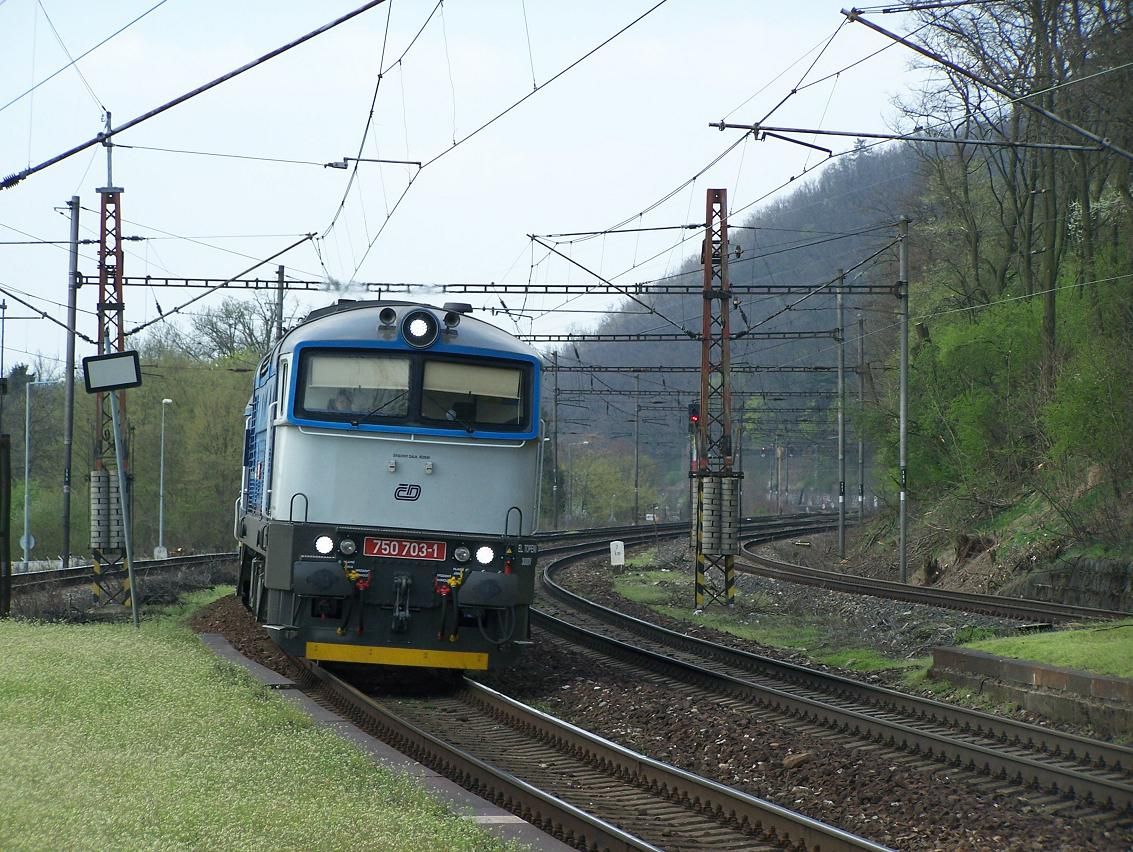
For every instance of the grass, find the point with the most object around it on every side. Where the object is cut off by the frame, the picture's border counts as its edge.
(1104, 649)
(641, 558)
(116, 738)
(667, 592)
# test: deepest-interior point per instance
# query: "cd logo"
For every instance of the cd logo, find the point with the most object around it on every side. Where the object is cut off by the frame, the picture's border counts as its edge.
(406, 491)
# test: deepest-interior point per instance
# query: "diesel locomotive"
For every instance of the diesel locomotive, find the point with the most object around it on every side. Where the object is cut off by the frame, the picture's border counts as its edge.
(390, 489)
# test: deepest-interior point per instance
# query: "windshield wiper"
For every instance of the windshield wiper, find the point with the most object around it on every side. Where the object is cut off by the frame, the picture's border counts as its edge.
(354, 421)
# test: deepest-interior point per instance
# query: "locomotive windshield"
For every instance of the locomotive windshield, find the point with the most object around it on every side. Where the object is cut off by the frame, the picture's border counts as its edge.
(472, 395)
(344, 385)
(395, 388)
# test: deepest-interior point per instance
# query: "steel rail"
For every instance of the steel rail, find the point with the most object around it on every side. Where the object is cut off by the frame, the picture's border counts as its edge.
(1048, 769)
(1018, 608)
(723, 805)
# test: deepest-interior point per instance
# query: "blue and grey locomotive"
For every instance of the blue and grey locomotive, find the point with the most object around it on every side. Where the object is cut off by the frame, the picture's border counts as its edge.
(391, 486)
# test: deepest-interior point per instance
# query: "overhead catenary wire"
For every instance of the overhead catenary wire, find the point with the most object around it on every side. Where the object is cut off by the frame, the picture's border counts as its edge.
(855, 15)
(71, 60)
(200, 240)
(11, 295)
(83, 55)
(373, 102)
(221, 155)
(212, 290)
(104, 137)
(458, 142)
(624, 292)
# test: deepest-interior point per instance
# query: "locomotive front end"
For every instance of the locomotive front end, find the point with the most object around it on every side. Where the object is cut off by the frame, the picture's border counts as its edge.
(397, 479)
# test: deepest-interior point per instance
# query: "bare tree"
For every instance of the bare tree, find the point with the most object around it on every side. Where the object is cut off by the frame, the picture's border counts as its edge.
(1068, 57)
(241, 329)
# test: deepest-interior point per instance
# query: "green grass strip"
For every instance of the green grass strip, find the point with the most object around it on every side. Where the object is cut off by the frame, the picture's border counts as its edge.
(116, 738)
(1104, 649)
(668, 591)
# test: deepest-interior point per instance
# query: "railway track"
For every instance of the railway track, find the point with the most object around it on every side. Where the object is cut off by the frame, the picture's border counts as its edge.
(1035, 613)
(79, 574)
(997, 753)
(579, 788)
(1048, 764)
(550, 543)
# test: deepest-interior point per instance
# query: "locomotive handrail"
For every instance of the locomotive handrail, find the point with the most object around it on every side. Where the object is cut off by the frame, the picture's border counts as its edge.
(507, 521)
(291, 507)
(265, 488)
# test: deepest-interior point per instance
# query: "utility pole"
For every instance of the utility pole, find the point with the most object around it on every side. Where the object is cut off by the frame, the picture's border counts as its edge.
(841, 418)
(717, 484)
(778, 477)
(636, 447)
(903, 309)
(5, 525)
(279, 304)
(69, 379)
(3, 375)
(555, 446)
(861, 418)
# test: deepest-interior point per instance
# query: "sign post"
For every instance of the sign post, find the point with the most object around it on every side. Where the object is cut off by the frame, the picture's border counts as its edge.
(112, 372)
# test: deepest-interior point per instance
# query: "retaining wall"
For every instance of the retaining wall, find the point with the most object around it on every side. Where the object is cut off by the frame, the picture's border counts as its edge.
(1101, 702)
(1081, 581)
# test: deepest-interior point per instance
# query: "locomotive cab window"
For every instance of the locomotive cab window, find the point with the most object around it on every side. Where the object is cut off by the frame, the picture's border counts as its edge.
(351, 385)
(473, 396)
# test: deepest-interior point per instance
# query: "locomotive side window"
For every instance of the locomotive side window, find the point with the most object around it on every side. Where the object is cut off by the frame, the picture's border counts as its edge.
(473, 395)
(345, 385)
(281, 391)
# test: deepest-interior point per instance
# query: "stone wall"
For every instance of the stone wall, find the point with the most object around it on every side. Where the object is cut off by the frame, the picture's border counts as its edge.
(1081, 581)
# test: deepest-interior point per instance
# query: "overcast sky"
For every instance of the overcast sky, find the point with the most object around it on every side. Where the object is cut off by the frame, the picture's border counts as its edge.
(598, 145)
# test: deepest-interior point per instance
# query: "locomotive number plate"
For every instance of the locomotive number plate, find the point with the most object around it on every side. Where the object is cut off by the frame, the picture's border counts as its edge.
(400, 548)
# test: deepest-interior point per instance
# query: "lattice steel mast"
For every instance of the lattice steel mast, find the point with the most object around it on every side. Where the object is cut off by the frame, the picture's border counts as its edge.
(107, 530)
(717, 510)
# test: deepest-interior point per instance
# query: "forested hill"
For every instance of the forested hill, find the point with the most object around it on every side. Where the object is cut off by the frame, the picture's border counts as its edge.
(834, 221)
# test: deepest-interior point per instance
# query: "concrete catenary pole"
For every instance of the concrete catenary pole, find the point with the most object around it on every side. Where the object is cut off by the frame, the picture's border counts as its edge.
(903, 307)
(636, 447)
(279, 304)
(555, 446)
(841, 418)
(69, 379)
(861, 418)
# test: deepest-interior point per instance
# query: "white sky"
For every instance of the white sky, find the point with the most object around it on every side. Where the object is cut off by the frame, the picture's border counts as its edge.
(596, 146)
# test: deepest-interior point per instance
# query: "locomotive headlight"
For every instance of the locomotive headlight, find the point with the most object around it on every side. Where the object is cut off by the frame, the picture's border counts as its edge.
(420, 329)
(485, 555)
(324, 544)
(462, 554)
(347, 547)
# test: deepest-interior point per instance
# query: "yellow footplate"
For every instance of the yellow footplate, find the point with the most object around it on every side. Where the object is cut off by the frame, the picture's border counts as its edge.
(378, 656)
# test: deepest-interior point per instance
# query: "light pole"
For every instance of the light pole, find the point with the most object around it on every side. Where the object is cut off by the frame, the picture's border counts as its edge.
(26, 541)
(160, 552)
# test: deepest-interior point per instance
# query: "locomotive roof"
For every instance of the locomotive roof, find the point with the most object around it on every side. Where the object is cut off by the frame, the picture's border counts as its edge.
(358, 320)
